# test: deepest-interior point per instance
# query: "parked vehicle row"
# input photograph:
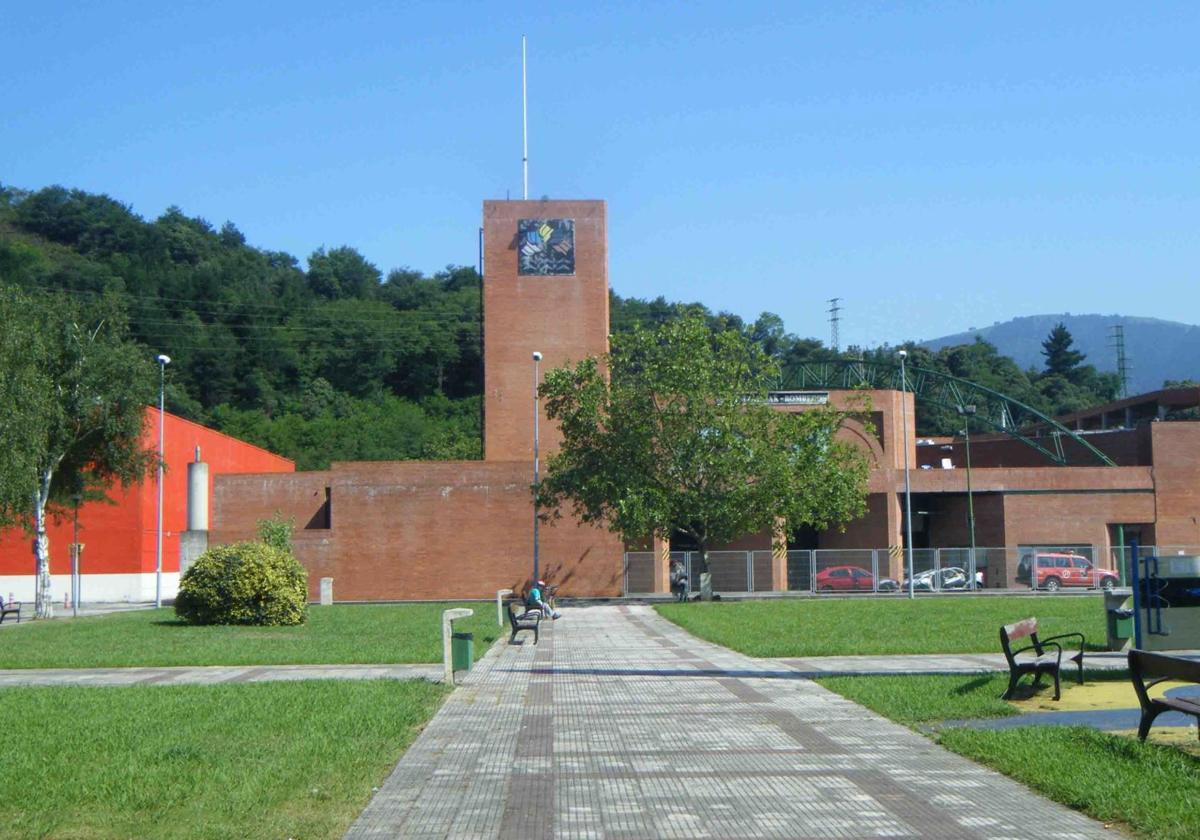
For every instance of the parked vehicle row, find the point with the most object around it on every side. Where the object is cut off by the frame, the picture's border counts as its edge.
(858, 579)
(1053, 571)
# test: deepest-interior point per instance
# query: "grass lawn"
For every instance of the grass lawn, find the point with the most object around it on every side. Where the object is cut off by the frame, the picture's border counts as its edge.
(1151, 788)
(349, 634)
(926, 698)
(1111, 778)
(841, 627)
(270, 760)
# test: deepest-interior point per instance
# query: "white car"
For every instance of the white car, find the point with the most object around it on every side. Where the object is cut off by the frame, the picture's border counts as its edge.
(940, 580)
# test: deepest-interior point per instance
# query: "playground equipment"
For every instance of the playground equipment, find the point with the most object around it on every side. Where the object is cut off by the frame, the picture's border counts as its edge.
(1166, 601)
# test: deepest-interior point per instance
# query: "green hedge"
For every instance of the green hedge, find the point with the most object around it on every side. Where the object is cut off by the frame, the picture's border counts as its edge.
(244, 583)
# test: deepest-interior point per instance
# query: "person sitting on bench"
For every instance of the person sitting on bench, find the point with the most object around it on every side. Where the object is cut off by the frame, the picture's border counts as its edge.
(679, 581)
(534, 601)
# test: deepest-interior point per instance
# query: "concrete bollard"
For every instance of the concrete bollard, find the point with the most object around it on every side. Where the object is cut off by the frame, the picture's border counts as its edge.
(500, 593)
(326, 592)
(448, 619)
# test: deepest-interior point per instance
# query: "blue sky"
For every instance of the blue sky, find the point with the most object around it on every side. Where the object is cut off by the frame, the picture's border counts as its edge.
(936, 166)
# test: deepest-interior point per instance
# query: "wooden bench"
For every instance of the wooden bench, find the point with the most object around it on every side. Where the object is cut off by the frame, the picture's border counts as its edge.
(527, 620)
(1047, 655)
(11, 608)
(1148, 670)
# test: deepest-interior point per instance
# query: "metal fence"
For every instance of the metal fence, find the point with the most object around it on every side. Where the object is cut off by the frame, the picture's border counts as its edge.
(1028, 568)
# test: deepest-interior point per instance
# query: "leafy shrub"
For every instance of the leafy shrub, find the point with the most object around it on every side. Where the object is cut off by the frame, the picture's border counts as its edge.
(277, 531)
(244, 583)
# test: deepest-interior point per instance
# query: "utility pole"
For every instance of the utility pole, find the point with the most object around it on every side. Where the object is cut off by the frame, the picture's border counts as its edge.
(163, 360)
(537, 358)
(967, 412)
(903, 354)
(834, 317)
(1118, 343)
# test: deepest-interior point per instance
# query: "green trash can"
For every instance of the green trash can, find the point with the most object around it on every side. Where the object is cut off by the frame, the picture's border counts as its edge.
(1119, 614)
(462, 651)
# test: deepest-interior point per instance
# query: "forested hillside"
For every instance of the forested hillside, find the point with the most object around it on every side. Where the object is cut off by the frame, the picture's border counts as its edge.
(337, 361)
(1156, 350)
(332, 362)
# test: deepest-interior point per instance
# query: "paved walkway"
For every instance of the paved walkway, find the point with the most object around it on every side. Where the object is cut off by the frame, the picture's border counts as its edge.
(211, 674)
(813, 666)
(621, 725)
(934, 663)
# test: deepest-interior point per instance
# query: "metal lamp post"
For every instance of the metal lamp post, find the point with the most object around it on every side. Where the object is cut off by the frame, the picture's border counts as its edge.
(903, 354)
(163, 361)
(537, 357)
(967, 412)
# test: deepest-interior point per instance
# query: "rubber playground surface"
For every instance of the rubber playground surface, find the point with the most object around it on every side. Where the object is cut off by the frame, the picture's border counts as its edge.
(1109, 705)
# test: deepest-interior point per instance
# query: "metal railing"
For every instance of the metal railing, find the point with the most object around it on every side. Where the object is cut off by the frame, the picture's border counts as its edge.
(1026, 568)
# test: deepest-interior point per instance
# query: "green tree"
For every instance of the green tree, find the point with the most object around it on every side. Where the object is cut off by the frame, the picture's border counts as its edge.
(681, 438)
(23, 386)
(1061, 360)
(341, 273)
(74, 395)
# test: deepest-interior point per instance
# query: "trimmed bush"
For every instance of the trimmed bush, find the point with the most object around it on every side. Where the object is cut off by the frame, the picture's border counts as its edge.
(244, 583)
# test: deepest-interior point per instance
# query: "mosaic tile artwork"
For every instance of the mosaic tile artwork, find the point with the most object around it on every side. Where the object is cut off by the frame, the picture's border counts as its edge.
(546, 246)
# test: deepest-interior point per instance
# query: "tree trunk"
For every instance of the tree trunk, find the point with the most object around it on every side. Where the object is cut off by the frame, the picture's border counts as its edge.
(43, 597)
(705, 593)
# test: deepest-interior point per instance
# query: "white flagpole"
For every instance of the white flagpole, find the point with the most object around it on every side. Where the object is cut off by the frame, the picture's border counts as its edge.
(524, 128)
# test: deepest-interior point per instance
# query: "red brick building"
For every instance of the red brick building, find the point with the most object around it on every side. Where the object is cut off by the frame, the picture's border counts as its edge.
(455, 529)
(419, 530)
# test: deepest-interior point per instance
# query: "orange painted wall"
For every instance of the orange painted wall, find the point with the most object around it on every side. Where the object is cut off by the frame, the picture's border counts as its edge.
(120, 537)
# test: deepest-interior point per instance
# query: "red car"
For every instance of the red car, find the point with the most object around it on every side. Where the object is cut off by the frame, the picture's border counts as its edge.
(851, 579)
(1056, 570)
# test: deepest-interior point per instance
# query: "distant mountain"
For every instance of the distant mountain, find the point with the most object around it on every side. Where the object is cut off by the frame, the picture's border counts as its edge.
(1155, 349)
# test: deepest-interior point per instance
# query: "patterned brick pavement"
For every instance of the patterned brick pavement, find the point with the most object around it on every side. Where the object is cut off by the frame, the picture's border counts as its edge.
(621, 725)
(212, 674)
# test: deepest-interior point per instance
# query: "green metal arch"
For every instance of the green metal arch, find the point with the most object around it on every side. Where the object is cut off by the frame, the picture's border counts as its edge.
(993, 409)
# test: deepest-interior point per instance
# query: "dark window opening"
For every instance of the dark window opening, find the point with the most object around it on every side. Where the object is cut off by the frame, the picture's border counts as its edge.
(323, 518)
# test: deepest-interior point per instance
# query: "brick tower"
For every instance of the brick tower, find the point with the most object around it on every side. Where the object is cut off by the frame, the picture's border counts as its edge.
(545, 288)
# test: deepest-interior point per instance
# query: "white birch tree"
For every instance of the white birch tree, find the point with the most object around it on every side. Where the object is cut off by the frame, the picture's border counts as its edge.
(73, 394)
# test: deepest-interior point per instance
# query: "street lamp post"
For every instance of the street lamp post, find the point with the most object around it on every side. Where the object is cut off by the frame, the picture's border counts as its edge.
(967, 412)
(537, 357)
(163, 361)
(907, 484)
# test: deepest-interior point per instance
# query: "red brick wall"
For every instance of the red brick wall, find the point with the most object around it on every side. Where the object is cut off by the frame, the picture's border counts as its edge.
(563, 317)
(872, 531)
(1176, 448)
(1070, 518)
(1128, 448)
(949, 527)
(407, 530)
(883, 409)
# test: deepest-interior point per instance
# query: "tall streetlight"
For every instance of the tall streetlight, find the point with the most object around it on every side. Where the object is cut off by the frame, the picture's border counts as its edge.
(903, 354)
(967, 412)
(537, 357)
(163, 361)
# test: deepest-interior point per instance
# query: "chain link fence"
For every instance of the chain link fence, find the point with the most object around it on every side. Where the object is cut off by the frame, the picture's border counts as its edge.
(1028, 568)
